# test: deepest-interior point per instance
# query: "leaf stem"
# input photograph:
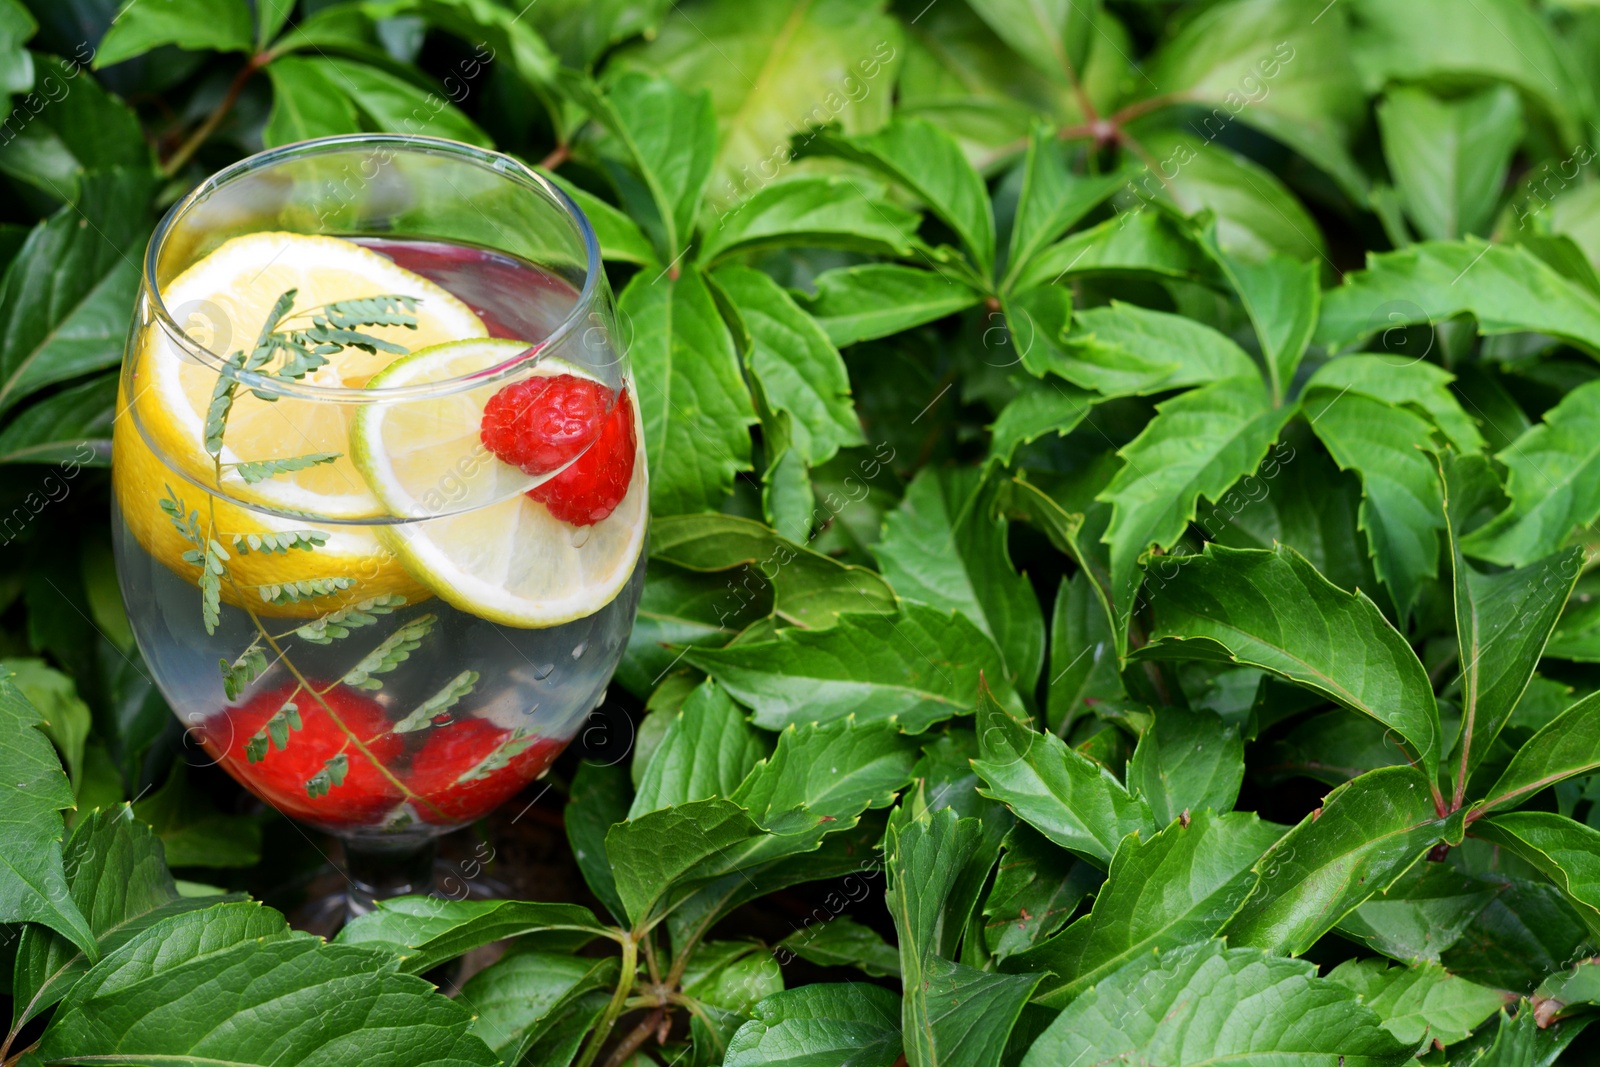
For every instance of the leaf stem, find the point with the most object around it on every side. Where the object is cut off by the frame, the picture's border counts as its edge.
(650, 963)
(209, 126)
(619, 1000)
(20, 1052)
(558, 155)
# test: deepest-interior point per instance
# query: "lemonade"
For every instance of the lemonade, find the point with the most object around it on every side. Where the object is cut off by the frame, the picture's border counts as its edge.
(380, 534)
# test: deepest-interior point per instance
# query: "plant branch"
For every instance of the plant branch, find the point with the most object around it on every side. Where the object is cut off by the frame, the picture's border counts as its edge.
(209, 126)
(636, 1037)
(619, 1000)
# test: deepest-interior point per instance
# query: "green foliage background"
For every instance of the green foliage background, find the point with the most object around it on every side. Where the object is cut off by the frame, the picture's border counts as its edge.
(1124, 480)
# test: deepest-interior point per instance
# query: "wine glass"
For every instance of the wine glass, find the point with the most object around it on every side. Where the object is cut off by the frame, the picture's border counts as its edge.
(380, 497)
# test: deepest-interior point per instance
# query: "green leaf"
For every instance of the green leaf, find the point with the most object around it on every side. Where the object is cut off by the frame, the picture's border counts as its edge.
(1418, 1002)
(424, 932)
(707, 752)
(950, 1014)
(1506, 288)
(1053, 35)
(1255, 216)
(1568, 746)
(799, 369)
(65, 295)
(121, 886)
(1276, 65)
(1577, 635)
(1036, 889)
(1552, 484)
(842, 942)
(1578, 986)
(581, 30)
(1430, 42)
(496, 32)
(1142, 242)
(1041, 407)
(198, 25)
(566, 1035)
(773, 71)
(521, 996)
(1449, 157)
(1282, 296)
(1188, 761)
(1272, 610)
(1502, 620)
(812, 212)
(1066, 796)
(1177, 888)
(166, 997)
(193, 832)
(837, 769)
(929, 164)
(1401, 508)
(660, 858)
(397, 106)
(850, 856)
(1332, 747)
(944, 547)
(1408, 383)
(809, 589)
(1208, 1004)
(680, 608)
(33, 884)
(72, 426)
(878, 299)
(306, 103)
(919, 667)
(820, 1025)
(694, 403)
(1053, 199)
(1366, 834)
(599, 800)
(1199, 444)
(1527, 932)
(66, 717)
(1563, 850)
(1126, 350)
(621, 240)
(669, 135)
(17, 26)
(1422, 915)
(83, 128)
(1083, 654)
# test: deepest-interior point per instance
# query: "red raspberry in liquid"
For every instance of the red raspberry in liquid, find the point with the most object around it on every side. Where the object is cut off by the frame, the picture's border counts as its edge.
(458, 749)
(541, 423)
(280, 778)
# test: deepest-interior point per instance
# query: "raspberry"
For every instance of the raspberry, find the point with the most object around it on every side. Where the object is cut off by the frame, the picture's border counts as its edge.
(540, 424)
(459, 749)
(279, 777)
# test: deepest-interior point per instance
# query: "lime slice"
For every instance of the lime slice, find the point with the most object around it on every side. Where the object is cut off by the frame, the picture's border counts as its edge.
(223, 300)
(507, 559)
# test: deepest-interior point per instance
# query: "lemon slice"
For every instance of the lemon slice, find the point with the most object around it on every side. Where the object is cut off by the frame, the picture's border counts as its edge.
(509, 561)
(224, 299)
(140, 480)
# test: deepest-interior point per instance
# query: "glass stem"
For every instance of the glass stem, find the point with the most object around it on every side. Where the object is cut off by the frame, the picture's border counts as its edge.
(378, 870)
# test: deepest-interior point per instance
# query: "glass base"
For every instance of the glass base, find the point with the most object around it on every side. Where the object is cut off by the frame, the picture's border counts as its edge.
(371, 874)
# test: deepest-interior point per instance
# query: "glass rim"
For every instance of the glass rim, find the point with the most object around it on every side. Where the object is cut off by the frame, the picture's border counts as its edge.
(511, 168)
